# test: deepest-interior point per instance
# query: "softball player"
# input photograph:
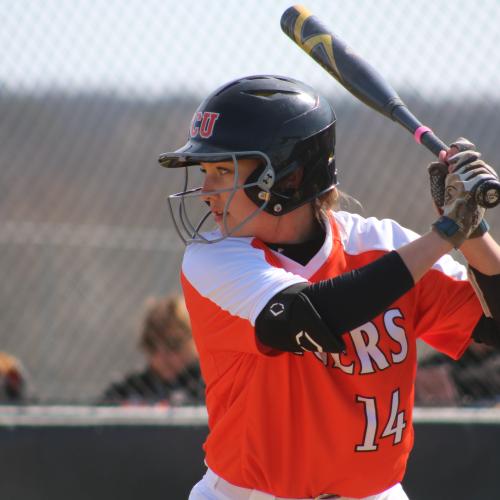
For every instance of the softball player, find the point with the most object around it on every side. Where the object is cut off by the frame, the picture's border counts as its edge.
(306, 318)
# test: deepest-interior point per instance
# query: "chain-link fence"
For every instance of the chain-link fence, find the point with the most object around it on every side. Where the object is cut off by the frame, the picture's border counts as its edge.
(92, 91)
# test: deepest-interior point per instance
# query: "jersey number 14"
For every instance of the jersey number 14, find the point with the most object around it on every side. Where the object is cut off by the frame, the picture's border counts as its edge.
(394, 426)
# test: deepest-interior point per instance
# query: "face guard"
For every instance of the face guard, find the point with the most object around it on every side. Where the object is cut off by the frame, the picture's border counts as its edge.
(182, 215)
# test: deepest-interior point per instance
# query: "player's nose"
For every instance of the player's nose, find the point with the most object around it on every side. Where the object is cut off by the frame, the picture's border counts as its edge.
(208, 188)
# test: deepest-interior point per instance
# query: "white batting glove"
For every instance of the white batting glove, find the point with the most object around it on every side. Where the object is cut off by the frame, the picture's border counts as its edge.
(461, 214)
(438, 171)
(453, 193)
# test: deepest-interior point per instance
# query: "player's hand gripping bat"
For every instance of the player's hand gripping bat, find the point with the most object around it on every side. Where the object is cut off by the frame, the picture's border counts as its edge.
(364, 82)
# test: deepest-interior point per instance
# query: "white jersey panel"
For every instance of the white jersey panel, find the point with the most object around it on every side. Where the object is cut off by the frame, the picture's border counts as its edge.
(359, 234)
(235, 276)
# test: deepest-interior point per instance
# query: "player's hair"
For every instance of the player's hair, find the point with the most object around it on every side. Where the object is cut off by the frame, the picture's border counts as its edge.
(334, 199)
(165, 322)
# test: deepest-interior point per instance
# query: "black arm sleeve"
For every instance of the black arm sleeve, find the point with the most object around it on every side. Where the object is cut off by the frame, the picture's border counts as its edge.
(322, 311)
(352, 299)
(487, 331)
(490, 289)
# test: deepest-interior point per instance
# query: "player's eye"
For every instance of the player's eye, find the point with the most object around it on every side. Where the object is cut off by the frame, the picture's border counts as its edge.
(223, 170)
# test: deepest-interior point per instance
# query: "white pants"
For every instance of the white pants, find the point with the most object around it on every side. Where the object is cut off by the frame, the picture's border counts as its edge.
(213, 487)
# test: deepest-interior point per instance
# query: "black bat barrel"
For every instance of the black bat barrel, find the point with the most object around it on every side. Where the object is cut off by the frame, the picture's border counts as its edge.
(365, 83)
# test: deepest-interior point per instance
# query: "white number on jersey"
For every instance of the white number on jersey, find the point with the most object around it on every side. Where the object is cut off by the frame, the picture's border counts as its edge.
(395, 424)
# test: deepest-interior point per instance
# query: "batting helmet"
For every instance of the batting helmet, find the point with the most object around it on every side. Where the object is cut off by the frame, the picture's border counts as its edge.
(279, 120)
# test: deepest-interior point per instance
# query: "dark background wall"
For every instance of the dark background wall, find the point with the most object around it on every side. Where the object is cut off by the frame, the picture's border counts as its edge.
(450, 461)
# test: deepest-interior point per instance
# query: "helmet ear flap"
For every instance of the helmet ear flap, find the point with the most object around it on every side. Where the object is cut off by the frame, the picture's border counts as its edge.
(261, 180)
(264, 179)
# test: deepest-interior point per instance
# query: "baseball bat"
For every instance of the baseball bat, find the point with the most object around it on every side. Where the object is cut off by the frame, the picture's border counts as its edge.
(365, 83)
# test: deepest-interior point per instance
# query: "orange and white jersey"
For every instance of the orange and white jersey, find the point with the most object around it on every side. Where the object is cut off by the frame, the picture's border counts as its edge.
(299, 425)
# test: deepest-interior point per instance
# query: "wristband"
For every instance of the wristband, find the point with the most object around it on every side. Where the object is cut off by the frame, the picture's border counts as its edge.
(483, 227)
(449, 230)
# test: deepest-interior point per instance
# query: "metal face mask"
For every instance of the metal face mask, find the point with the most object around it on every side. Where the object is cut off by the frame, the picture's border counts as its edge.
(186, 207)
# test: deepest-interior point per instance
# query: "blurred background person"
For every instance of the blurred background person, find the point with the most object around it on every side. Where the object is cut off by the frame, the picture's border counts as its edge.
(172, 373)
(13, 380)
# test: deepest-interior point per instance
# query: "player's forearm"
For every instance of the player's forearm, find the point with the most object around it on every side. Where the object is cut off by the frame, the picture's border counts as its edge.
(483, 254)
(421, 254)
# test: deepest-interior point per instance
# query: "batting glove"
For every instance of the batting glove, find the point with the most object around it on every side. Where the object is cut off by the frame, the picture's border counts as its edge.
(451, 191)
(461, 213)
(438, 171)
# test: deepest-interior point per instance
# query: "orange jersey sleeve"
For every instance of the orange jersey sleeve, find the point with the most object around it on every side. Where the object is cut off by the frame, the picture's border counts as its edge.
(448, 309)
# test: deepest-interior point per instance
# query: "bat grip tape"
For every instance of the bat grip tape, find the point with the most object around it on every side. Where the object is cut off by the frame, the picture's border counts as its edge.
(420, 132)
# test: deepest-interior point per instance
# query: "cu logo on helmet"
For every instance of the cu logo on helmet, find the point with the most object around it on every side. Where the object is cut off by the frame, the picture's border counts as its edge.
(203, 124)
